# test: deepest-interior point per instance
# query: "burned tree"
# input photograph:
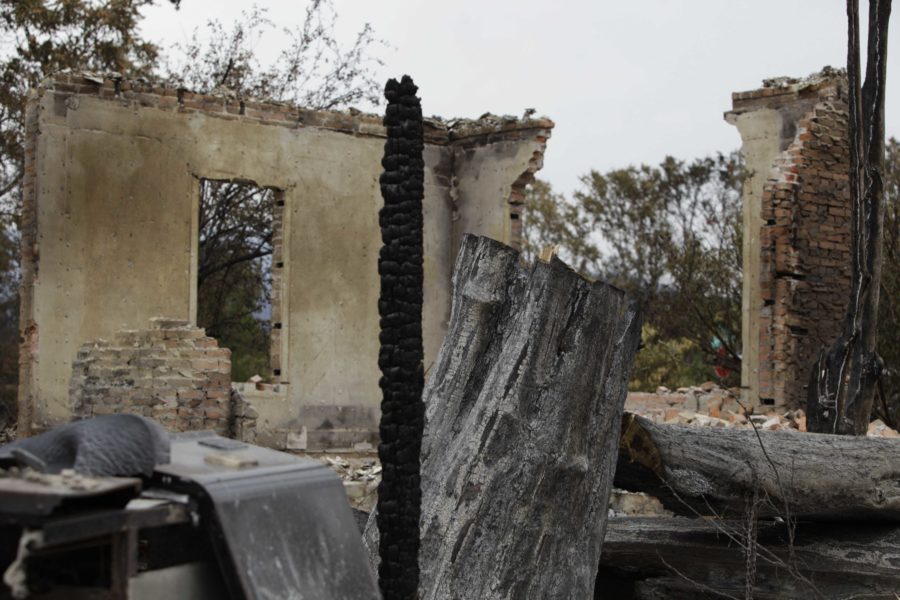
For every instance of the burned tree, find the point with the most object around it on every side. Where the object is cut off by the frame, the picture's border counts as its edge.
(711, 471)
(523, 409)
(401, 356)
(843, 380)
(524, 404)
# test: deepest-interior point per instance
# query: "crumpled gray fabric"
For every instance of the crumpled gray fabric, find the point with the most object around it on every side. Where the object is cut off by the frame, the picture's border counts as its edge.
(120, 445)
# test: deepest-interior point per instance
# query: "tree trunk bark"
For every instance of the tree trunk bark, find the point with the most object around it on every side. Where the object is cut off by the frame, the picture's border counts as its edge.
(678, 558)
(523, 413)
(701, 470)
(842, 382)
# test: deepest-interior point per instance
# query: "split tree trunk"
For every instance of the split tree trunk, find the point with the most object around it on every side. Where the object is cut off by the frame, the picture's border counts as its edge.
(843, 381)
(718, 471)
(523, 413)
(677, 558)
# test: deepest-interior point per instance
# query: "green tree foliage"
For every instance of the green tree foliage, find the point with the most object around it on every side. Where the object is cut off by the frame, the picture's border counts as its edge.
(550, 220)
(670, 235)
(42, 37)
(231, 307)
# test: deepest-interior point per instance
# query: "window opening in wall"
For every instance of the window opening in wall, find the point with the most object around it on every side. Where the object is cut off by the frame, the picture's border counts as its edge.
(238, 257)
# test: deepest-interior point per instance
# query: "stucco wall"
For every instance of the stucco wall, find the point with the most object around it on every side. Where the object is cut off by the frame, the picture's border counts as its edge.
(111, 233)
(761, 142)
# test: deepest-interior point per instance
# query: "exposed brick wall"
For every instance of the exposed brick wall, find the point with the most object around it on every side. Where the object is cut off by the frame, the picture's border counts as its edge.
(171, 372)
(517, 193)
(805, 250)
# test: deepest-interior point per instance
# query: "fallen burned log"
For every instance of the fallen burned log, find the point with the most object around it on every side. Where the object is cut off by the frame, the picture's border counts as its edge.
(523, 408)
(648, 558)
(716, 471)
(523, 413)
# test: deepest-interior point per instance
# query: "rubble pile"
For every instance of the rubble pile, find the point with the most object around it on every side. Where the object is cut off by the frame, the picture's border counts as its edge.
(623, 503)
(709, 405)
(360, 474)
(706, 405)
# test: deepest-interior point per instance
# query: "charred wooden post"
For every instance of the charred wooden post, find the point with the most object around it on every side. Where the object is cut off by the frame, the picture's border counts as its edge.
(401, 355)
(843, 380)
(715, 471)
(523, 409)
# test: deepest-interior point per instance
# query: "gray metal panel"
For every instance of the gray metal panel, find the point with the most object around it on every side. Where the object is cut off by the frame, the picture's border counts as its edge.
(284, 524)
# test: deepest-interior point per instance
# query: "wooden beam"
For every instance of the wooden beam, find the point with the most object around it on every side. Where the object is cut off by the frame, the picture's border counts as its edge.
(717, 471)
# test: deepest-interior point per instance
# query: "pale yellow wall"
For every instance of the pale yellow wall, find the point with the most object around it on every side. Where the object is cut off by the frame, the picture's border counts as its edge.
(116, 218)
(439, 253)
(117, 195)
(761, 141)
(484, 179)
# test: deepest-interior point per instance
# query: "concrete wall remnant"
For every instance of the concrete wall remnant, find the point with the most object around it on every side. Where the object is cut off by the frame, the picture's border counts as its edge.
(109, 234)
(796, 206)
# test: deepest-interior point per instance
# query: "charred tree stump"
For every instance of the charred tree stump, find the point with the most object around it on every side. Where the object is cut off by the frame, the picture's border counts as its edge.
(701, 470)
(401, 355)
(843, 380)
(523, 410)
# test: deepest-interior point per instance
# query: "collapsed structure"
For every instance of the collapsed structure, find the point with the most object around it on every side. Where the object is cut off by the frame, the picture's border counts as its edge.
(796, 211)
(110, 241)
(110, 238)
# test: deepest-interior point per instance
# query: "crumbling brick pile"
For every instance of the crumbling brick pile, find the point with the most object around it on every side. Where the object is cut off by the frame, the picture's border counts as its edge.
(709, 405)
(805, 240)
(172, 372)
(665, 405)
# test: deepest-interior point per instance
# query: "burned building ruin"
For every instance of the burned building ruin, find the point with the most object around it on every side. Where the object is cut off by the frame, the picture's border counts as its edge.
(114, 173)
(796, 243)
(114, 170)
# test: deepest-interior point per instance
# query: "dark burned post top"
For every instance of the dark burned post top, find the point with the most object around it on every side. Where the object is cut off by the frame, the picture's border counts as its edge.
(401, 355)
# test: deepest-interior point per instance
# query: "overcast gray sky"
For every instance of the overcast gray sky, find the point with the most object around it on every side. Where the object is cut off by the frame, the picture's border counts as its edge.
(625, 81)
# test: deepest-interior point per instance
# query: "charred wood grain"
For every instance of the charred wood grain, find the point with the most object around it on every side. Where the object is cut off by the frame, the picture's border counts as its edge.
(401, 355)
(843, 379)
(523, 410)
(678, 558)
